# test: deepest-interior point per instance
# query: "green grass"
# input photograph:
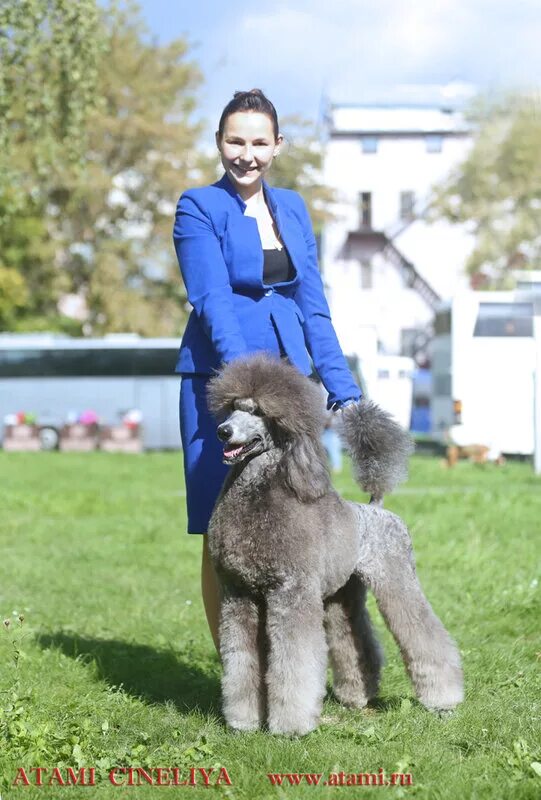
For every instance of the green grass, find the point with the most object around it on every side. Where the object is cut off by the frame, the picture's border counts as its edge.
(113, 664)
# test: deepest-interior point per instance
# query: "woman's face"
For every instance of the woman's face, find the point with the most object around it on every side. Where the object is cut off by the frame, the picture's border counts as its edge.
(247, 148)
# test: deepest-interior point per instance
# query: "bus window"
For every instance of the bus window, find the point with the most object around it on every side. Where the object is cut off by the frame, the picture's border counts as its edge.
(504, 319)
(19, 363)
(153, 361)
(85, 363)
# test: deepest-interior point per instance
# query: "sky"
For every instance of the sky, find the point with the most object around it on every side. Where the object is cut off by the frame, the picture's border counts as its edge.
(354, 51)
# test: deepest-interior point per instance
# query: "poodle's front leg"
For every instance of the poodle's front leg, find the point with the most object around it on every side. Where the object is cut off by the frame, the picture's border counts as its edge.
(431, 656)
(241, 651)
(297, 659)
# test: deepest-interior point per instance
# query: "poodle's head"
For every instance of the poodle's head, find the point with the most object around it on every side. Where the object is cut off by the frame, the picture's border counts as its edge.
(264, 403)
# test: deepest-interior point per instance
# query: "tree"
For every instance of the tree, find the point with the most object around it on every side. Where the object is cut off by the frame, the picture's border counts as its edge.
(115, 225)
(49, 51)
(49, 54)
(102, 220)
(496, 191)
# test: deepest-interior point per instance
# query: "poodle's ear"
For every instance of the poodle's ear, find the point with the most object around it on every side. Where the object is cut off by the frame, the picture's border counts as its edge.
(304, 468)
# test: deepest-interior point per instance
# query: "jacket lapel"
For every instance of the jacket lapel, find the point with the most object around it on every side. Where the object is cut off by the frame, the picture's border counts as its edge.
(289, 230)
(287, 225)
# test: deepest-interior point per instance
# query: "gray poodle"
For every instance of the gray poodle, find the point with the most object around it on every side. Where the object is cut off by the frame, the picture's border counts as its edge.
(295, 560)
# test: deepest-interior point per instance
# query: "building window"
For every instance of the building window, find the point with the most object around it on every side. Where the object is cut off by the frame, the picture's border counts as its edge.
(442, 322)
(434, 143)
(365, 208)
(369, 144)
(407, 205)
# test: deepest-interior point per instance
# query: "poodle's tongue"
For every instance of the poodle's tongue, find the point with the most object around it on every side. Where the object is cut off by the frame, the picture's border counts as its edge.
(233, 453)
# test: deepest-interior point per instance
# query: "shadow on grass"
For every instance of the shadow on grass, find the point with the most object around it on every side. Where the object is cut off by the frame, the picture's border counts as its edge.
(391, 702)
(154, 675)
(379, 705)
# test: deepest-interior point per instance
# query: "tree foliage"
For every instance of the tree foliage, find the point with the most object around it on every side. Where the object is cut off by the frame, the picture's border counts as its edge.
(496, 191)
(116, 224)
(49, 55)
(102, 222)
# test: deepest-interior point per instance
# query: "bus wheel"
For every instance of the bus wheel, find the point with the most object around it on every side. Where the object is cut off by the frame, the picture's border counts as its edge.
(49, 438)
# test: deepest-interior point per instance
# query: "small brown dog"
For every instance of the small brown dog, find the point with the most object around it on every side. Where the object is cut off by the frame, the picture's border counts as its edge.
(463, 442)
(476, 453)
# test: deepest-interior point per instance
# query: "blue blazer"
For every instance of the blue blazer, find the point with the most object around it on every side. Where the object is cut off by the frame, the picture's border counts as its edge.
(221, 261)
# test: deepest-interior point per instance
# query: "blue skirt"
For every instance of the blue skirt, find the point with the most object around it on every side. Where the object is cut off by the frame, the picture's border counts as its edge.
(204, 471)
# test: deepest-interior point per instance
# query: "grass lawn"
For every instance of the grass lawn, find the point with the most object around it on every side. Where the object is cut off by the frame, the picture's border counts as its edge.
(113, 664)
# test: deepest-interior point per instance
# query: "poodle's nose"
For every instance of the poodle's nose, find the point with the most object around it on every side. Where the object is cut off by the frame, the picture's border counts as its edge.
(224, 431)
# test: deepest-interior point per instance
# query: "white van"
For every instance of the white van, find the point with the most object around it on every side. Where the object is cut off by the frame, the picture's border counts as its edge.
(483, 363)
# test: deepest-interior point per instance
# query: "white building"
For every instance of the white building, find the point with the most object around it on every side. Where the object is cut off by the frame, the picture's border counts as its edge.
(384, 266)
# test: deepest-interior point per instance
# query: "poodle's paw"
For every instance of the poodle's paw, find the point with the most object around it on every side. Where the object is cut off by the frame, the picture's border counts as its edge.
(350, 696)
(356, 692)
(443, 701)
(241, 725)
(293, 728)
(243, 717)
(292, 723)
(443, 692)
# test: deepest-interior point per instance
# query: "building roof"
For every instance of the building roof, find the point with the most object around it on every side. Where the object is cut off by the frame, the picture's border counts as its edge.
(375, 119)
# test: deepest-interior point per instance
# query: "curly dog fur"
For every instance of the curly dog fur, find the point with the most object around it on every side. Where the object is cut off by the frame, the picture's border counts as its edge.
(295, 560)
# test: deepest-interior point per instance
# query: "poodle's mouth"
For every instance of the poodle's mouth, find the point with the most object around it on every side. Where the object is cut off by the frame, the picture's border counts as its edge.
(236, 453)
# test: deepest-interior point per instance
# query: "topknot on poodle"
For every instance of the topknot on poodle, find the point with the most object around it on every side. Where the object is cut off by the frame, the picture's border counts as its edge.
(279, 391)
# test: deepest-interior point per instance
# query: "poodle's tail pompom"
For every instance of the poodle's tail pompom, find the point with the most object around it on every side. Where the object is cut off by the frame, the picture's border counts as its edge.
(379, 447)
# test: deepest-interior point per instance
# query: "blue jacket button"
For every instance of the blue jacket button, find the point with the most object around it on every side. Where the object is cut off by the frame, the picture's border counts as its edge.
(269, 292)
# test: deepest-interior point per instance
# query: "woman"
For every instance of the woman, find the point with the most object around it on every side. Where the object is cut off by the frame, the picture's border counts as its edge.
(248, 257)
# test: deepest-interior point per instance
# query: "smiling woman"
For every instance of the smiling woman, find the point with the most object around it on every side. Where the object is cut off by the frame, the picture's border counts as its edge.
(248, 257)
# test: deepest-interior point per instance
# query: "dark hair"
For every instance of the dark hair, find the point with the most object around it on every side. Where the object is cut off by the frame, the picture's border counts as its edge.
(253, 100)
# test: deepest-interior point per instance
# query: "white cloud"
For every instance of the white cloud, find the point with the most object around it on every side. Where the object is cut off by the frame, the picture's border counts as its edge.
(355, 44)
(354, 50)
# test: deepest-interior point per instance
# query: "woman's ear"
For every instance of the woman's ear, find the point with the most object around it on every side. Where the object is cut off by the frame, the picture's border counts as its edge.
(217, 139)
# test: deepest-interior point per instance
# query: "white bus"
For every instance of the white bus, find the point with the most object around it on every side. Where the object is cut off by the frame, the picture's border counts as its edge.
(54, 376)
(483, 362)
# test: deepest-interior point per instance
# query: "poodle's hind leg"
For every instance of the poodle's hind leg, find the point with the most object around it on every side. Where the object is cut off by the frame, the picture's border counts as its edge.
(388, 568)
(355, 654)
(242, 654)
(297, 659)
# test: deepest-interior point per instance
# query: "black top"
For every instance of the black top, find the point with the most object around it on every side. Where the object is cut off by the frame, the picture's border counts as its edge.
(277, 266)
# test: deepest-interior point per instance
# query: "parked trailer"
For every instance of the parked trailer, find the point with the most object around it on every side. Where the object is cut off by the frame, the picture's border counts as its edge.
(483, 362)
